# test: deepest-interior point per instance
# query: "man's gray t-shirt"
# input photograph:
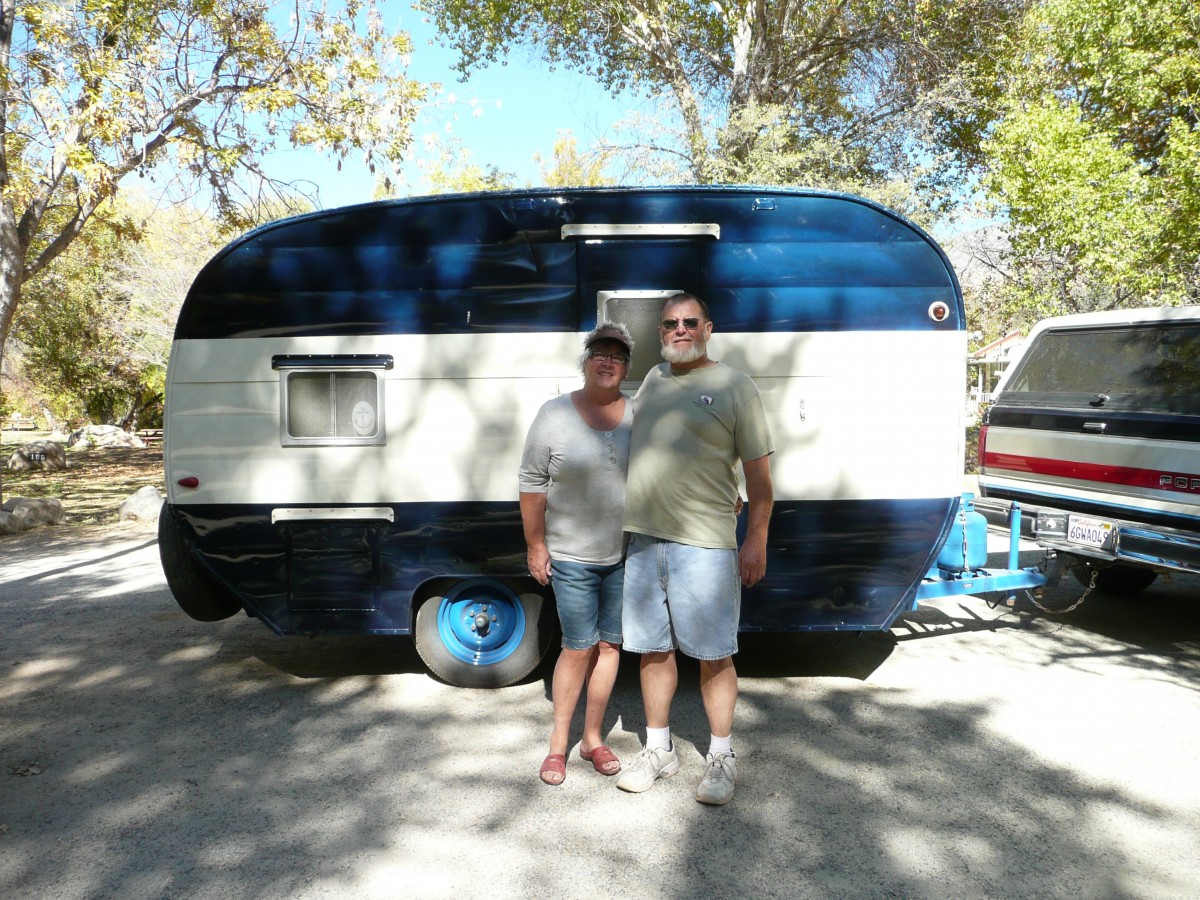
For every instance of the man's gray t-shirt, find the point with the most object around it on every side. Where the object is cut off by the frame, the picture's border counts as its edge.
(582, 472)
(691, 429)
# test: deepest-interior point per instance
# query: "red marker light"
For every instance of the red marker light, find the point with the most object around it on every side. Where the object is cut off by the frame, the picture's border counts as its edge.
(191, 481)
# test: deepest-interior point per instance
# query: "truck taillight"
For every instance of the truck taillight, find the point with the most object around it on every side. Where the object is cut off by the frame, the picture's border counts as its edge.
(983, 429)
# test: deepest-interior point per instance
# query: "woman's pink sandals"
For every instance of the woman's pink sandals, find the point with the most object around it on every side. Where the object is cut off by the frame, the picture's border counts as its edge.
(602, 759)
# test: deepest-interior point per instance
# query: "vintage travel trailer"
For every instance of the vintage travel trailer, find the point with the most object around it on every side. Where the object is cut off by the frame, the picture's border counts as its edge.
(349, 391)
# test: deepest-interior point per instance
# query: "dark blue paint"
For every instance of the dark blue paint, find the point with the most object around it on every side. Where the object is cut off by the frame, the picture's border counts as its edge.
(832, 565)
(816, 262)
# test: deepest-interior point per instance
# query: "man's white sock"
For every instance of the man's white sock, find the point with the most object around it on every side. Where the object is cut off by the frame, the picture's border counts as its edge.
(658, 738)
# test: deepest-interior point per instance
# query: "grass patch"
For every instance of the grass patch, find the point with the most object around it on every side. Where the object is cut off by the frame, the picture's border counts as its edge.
(93, 485)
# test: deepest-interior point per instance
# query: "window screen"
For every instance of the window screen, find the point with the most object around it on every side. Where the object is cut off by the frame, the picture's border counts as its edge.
(332, 407)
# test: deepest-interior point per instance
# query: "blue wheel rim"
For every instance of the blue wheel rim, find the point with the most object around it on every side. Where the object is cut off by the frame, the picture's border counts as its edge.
(458, 620)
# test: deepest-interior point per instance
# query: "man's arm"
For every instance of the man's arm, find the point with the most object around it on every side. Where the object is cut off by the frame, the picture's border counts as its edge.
(752, 560)
(533, 520)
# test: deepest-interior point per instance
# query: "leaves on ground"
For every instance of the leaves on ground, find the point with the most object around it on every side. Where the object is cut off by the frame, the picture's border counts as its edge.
(93, 485)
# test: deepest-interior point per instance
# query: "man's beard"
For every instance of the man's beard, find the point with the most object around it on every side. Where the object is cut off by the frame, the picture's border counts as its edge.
(689, 355)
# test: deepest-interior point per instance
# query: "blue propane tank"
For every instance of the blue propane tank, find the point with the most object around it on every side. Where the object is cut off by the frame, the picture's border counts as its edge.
(952, 556)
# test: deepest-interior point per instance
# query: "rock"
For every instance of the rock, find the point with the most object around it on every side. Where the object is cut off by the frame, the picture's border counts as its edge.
(103, 436)
(38, 455)
(143, 504)
(20, 514)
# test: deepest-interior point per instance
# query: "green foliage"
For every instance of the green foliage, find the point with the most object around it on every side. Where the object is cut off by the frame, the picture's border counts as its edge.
(569, 167)
(67, 329)
(447, 168)
(94, 330)
(1096, 156)
(195, 91)
(788, 92)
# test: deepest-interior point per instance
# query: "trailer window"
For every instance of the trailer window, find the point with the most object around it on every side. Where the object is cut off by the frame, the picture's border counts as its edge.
(332, 407)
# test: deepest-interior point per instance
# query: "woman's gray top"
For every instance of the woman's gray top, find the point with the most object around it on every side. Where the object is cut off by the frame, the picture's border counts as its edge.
(582, 472)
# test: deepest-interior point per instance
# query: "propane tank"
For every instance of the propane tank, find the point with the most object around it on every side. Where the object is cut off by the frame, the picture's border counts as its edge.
(953, 558)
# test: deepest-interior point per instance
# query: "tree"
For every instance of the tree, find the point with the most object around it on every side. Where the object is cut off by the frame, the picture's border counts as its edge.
(756, 78)
(1095, 156)
(94, 330)
(569, 167)
(447, 168)
(69, 338)
(95, 91)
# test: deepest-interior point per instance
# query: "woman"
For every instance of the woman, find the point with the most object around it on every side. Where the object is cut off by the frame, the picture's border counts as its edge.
(572, 496)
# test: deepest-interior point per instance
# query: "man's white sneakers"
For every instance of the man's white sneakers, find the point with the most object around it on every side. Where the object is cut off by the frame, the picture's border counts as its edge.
(647, 767)
(716, 787)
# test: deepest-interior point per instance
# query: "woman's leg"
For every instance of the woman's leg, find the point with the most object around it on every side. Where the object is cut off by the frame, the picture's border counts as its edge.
(602, 675)
(569, 674)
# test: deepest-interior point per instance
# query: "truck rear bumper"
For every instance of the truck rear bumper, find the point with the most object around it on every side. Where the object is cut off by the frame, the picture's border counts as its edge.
(1131, 543)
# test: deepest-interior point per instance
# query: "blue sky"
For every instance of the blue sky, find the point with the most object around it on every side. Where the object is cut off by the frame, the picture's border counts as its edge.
(522, 107)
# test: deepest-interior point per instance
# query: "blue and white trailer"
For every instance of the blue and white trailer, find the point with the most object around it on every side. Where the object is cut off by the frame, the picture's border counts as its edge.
(348, 395)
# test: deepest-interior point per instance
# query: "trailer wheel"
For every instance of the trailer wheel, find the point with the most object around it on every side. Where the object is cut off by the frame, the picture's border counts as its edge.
(1117, 580)
(482, 634)
(197, 592)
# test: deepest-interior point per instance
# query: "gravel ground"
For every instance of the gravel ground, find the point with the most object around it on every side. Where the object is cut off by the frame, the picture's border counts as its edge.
(968, 752)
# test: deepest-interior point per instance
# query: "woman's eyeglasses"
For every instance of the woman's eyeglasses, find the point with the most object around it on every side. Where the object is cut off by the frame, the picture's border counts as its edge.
(690, 323)
(600, 356)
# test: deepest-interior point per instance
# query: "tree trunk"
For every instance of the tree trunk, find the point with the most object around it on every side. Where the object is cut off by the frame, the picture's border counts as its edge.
(12, 270)
(52, 424)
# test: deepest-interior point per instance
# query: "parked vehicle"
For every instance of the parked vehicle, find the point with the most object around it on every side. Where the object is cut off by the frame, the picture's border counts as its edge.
(348, 394)
(1095, 431)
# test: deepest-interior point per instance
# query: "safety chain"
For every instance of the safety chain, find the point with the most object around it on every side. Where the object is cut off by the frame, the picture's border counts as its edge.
(1073, 606)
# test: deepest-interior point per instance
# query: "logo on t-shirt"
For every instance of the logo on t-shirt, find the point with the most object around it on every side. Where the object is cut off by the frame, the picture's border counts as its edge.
(705, 400)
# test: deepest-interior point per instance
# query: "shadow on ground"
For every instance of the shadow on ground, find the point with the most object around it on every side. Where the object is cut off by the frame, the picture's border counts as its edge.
(180, 759)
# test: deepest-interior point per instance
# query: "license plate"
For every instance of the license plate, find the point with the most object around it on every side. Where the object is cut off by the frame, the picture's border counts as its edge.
(1091, 532)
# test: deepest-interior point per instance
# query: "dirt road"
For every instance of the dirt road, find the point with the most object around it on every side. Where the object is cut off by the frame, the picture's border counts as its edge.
(966, 753)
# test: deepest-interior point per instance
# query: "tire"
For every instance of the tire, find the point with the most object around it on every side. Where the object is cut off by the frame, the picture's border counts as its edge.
(196, 591)
(1118, 580)
(480, 633)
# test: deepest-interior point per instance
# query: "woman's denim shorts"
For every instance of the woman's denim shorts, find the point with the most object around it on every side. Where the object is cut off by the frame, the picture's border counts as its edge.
(589, 602)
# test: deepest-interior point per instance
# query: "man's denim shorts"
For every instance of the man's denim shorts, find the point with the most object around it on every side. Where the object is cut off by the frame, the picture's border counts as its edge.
(589, 602)
(679, 596)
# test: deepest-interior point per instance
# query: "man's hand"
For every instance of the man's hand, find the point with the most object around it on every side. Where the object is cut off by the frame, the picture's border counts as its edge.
(752, 559)
(752, 562)
(538, 558)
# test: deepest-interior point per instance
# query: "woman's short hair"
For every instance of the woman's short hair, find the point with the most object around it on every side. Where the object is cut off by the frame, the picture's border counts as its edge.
(606, 331)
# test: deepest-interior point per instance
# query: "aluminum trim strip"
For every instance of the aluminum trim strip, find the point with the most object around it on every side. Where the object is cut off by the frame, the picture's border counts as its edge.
(620, 229)
(327, 513)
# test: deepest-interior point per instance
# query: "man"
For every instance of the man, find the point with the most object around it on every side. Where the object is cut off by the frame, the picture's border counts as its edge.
(694, 419)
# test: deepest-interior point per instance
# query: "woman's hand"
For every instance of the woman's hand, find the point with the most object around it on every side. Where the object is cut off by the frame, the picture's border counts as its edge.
(538, 558)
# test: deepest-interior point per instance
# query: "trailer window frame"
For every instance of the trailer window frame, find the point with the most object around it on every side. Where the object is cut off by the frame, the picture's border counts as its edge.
(346, 382)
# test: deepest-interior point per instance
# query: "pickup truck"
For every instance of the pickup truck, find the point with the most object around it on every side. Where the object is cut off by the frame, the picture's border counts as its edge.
(1095, 432)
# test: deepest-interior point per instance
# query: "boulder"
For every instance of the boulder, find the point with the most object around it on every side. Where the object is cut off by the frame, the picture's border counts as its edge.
(38, 455)
(20, 514)
(103, 436)
(142, 505)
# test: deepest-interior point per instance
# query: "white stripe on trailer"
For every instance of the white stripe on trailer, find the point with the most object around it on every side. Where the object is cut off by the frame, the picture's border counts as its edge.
(855, 415)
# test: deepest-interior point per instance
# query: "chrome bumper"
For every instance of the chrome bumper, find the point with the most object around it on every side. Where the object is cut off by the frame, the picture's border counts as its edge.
(1133, 543)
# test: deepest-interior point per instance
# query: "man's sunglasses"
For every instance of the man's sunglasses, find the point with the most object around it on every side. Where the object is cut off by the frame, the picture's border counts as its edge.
(690, 323)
